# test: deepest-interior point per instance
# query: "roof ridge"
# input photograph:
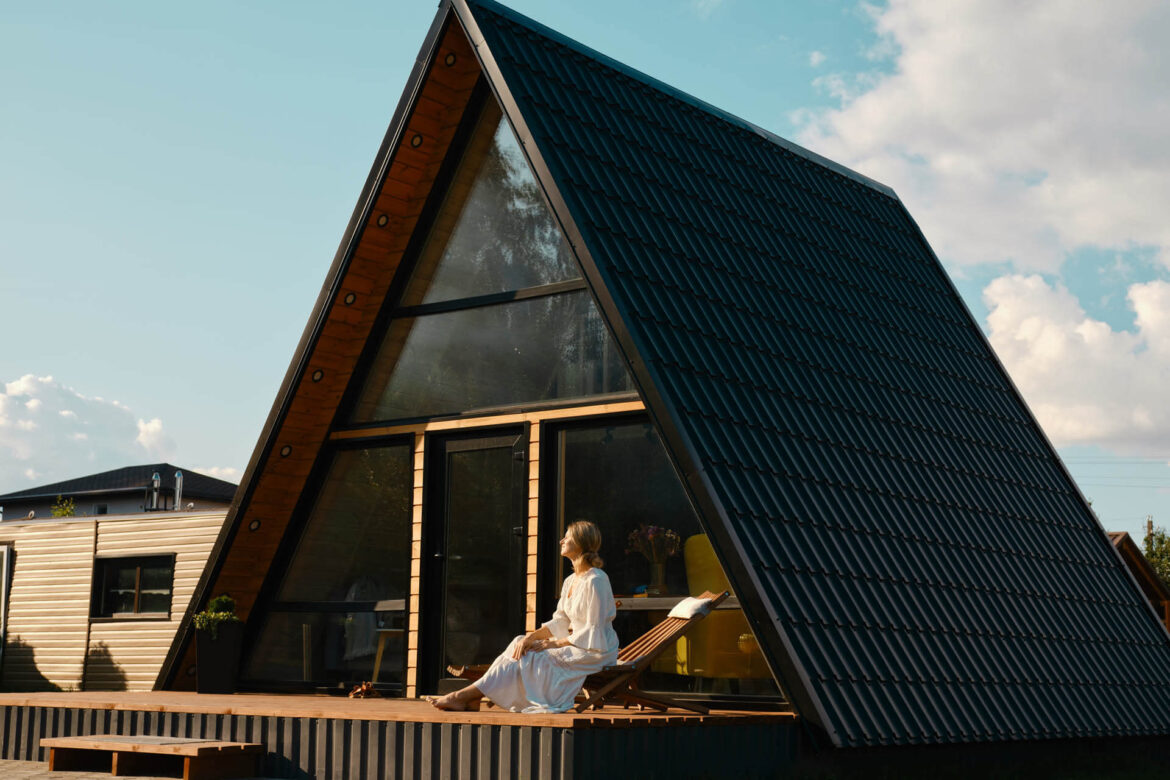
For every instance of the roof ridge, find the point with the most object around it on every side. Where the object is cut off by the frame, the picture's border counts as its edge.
(686, 98)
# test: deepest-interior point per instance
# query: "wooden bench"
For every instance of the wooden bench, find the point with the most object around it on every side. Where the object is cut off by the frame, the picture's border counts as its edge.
(199, 759)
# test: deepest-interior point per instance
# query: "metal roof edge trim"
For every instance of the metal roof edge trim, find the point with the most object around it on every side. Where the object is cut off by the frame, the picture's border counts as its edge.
(685, 97)
(308, 340)
(1047, 442)
(808, 704)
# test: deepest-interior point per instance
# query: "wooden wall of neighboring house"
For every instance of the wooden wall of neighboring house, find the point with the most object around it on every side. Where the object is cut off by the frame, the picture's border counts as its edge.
(48, 604)
(469, 424)
(49, 599)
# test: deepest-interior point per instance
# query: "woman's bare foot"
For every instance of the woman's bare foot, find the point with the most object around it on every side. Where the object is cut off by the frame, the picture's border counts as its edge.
(454, 702)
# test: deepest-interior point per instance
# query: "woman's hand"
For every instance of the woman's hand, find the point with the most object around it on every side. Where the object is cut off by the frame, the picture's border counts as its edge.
(538, 640)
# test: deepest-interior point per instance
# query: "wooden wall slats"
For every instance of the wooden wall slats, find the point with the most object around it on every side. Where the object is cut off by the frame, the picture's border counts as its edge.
(49, 599)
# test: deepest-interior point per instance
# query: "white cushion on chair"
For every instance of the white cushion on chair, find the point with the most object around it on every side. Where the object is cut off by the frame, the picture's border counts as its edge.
(690, 607)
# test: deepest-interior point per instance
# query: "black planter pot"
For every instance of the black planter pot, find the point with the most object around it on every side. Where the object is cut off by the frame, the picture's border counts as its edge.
(217, 661)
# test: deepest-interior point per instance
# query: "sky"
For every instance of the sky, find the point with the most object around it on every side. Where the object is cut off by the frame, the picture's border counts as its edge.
(175, 180)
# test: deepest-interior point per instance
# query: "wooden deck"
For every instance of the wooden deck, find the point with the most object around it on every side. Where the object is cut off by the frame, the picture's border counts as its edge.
(318, 737)
(387, 710)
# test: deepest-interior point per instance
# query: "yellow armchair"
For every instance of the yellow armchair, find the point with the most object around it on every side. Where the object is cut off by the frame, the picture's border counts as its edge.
(722, 645)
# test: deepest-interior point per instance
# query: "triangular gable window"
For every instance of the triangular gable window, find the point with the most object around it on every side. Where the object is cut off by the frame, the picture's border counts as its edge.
(495, 312)
(494, 232)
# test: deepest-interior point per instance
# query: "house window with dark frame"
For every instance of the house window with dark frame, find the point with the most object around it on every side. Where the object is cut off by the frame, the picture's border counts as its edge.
(139, 585)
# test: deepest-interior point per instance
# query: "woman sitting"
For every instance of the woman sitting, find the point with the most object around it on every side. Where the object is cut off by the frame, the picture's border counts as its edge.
(543, 671)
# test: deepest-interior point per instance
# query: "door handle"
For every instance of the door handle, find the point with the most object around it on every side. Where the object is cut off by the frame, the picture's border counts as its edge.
(517, 530)
(439, 556)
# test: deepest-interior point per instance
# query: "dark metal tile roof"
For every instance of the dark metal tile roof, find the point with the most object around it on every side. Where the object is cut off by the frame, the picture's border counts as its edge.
(195, 485)
(925, 564)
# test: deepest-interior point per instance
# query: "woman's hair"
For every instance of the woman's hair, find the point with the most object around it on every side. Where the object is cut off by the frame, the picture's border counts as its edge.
(587, 536)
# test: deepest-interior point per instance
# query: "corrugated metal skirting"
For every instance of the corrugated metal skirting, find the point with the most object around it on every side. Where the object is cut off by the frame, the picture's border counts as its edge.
(327, 748)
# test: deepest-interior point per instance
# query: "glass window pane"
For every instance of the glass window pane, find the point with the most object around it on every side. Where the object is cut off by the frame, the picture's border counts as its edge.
(494, 232)
(336, 649)
(538, 349)
(156, 576)
(356, 543)
(155, 601)
(620, 477)
(355, 547)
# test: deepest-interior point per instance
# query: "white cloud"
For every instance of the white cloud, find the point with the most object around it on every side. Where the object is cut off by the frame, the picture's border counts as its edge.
(704, 8)
(1014, 131)
(154, 440)
(221, 472)
(1087, 383)
(49, 432)
(816, 59)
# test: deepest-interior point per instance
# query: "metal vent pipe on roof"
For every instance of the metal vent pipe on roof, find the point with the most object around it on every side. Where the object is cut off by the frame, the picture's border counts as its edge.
(155, 484)
(178, 490)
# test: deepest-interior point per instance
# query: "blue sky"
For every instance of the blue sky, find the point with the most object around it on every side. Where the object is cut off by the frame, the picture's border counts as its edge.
(174, 181)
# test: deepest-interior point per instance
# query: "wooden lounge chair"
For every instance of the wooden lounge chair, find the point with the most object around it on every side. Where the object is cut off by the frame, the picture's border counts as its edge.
(619, 683)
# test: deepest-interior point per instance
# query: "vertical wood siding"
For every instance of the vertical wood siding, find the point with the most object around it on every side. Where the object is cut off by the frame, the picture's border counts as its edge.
(49, 600)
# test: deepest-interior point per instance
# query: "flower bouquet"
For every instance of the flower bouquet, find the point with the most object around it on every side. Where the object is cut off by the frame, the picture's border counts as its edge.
(656, 544)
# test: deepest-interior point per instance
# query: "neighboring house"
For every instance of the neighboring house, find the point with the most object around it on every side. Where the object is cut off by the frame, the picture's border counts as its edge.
(94, 602)
(1151, 584)
(570, 291)
(150, 488)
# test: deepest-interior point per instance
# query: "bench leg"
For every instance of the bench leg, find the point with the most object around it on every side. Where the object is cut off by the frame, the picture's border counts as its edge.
(127, 764)
(79, 760)
(222, 766)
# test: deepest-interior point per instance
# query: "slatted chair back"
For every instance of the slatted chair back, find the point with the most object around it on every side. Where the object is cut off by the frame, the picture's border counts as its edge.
(650, 645)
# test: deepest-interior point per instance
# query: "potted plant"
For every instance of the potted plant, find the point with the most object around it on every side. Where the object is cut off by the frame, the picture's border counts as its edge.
(219, 637)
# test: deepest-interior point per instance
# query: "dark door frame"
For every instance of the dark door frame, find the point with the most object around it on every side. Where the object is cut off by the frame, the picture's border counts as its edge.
(433, 564)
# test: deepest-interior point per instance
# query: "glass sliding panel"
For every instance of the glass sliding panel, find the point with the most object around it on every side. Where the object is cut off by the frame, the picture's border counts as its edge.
(537, 349)
(619, 476)
(494, 232)
(483, 582)
(344, 590)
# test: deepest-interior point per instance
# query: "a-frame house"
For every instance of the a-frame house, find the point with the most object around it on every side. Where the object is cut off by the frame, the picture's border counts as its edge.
(568, 291)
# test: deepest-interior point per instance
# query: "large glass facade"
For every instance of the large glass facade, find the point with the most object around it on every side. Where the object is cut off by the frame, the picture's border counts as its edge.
(539, 349)
(618, 475)
(343, 595)
(445, 351)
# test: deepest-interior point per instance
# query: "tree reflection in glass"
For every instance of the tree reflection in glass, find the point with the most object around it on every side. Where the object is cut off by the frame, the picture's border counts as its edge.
(493, 234)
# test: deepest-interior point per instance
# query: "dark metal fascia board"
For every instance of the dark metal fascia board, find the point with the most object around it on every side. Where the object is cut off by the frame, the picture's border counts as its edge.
(1045, 441)
(685, 97)
(779, 647)
(308, 340)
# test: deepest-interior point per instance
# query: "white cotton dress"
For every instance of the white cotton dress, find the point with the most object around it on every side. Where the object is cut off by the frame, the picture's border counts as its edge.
(549, 680)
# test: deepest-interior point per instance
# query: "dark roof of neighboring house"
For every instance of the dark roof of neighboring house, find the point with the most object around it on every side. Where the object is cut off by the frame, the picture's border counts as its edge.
(916, 560)
(1151, 584)
(131, 478)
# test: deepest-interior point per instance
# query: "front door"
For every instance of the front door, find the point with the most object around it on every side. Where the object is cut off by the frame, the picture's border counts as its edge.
(473, 550)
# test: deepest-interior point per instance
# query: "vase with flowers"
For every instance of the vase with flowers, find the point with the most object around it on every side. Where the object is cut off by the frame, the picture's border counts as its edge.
(656, 544)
